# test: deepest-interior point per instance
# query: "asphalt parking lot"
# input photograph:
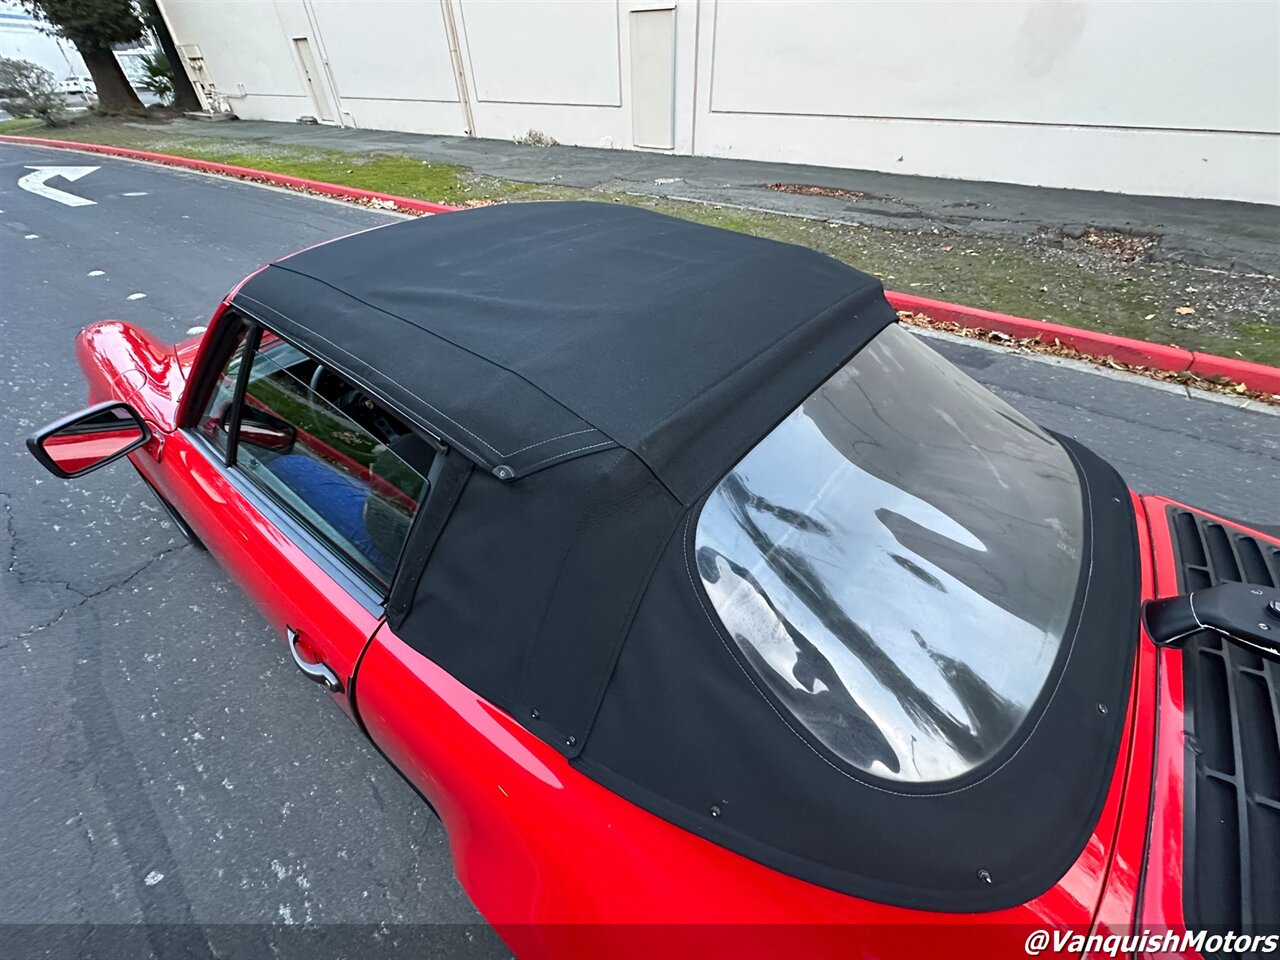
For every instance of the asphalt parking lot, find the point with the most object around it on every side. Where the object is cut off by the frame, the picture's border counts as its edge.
(163, 762)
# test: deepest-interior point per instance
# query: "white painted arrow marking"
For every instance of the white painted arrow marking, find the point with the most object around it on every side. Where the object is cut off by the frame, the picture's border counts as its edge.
(35, 183)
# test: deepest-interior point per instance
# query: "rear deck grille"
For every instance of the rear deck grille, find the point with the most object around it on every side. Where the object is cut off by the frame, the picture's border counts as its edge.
(1232, 694)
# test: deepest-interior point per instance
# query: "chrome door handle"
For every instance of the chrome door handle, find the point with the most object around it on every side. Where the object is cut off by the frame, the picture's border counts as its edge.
(316, 672)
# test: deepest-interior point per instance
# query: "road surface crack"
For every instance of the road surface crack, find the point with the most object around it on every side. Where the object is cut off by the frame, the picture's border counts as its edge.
(12, 567)
(11, 528)
(86, 597)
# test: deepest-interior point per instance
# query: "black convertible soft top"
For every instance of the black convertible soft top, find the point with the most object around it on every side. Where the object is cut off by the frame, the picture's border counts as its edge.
(529, 334)
(592, 371)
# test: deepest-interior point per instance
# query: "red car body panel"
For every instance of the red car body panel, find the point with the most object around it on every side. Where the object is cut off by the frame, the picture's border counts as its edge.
(1162, 899)
(123, 362)
(1162, 892)
(1116, 907)
(288, 586)
(540, 847)
(559, 864)
(1149, 855)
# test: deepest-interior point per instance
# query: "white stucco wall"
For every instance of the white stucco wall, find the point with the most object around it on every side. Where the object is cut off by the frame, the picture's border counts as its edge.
(1170, 98)
(21, 38)
(1162, 98)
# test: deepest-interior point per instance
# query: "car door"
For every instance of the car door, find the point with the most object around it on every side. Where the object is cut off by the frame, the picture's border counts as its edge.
(301, 485)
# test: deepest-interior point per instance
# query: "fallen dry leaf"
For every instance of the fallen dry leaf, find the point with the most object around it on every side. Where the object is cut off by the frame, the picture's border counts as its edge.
(1125, 246)
(1215, 384)
(809, 190)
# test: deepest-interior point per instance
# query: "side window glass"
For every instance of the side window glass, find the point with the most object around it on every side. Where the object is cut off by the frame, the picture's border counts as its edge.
(331, 456)
(213, 422)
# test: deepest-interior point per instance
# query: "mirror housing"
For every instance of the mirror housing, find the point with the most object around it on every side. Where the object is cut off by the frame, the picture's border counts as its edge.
(261, 429)
(83, 442)
(269, 436)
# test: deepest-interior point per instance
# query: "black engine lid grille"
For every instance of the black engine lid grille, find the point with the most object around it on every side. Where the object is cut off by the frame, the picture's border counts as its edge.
(1232, 870)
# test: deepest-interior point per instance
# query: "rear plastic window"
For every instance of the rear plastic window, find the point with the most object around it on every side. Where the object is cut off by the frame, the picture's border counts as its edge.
(898, 562)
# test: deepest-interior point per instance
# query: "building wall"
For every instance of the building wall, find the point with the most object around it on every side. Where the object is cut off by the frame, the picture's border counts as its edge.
(22, 39)
(1168, 98)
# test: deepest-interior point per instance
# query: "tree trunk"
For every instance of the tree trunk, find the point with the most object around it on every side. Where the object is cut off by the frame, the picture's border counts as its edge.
(115, 95)
(184, 94)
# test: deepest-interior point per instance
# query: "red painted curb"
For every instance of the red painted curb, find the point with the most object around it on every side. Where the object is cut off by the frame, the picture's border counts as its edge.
(1143, 353)
(1256, 376)
(315, 186)
(1157, 356)
(1137, 352)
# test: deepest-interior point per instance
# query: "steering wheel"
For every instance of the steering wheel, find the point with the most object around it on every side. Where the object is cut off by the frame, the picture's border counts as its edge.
(355, 404)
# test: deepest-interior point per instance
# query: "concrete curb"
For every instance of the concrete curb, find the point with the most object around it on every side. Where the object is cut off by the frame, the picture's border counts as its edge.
(1141, 353)
(1157, 356)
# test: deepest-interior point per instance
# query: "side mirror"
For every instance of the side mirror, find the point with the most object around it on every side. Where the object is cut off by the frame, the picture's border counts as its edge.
(261, 429)
(269, 436)
(85, 441)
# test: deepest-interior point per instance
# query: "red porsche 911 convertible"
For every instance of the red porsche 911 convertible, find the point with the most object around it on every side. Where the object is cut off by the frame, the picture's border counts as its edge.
(714, 613)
